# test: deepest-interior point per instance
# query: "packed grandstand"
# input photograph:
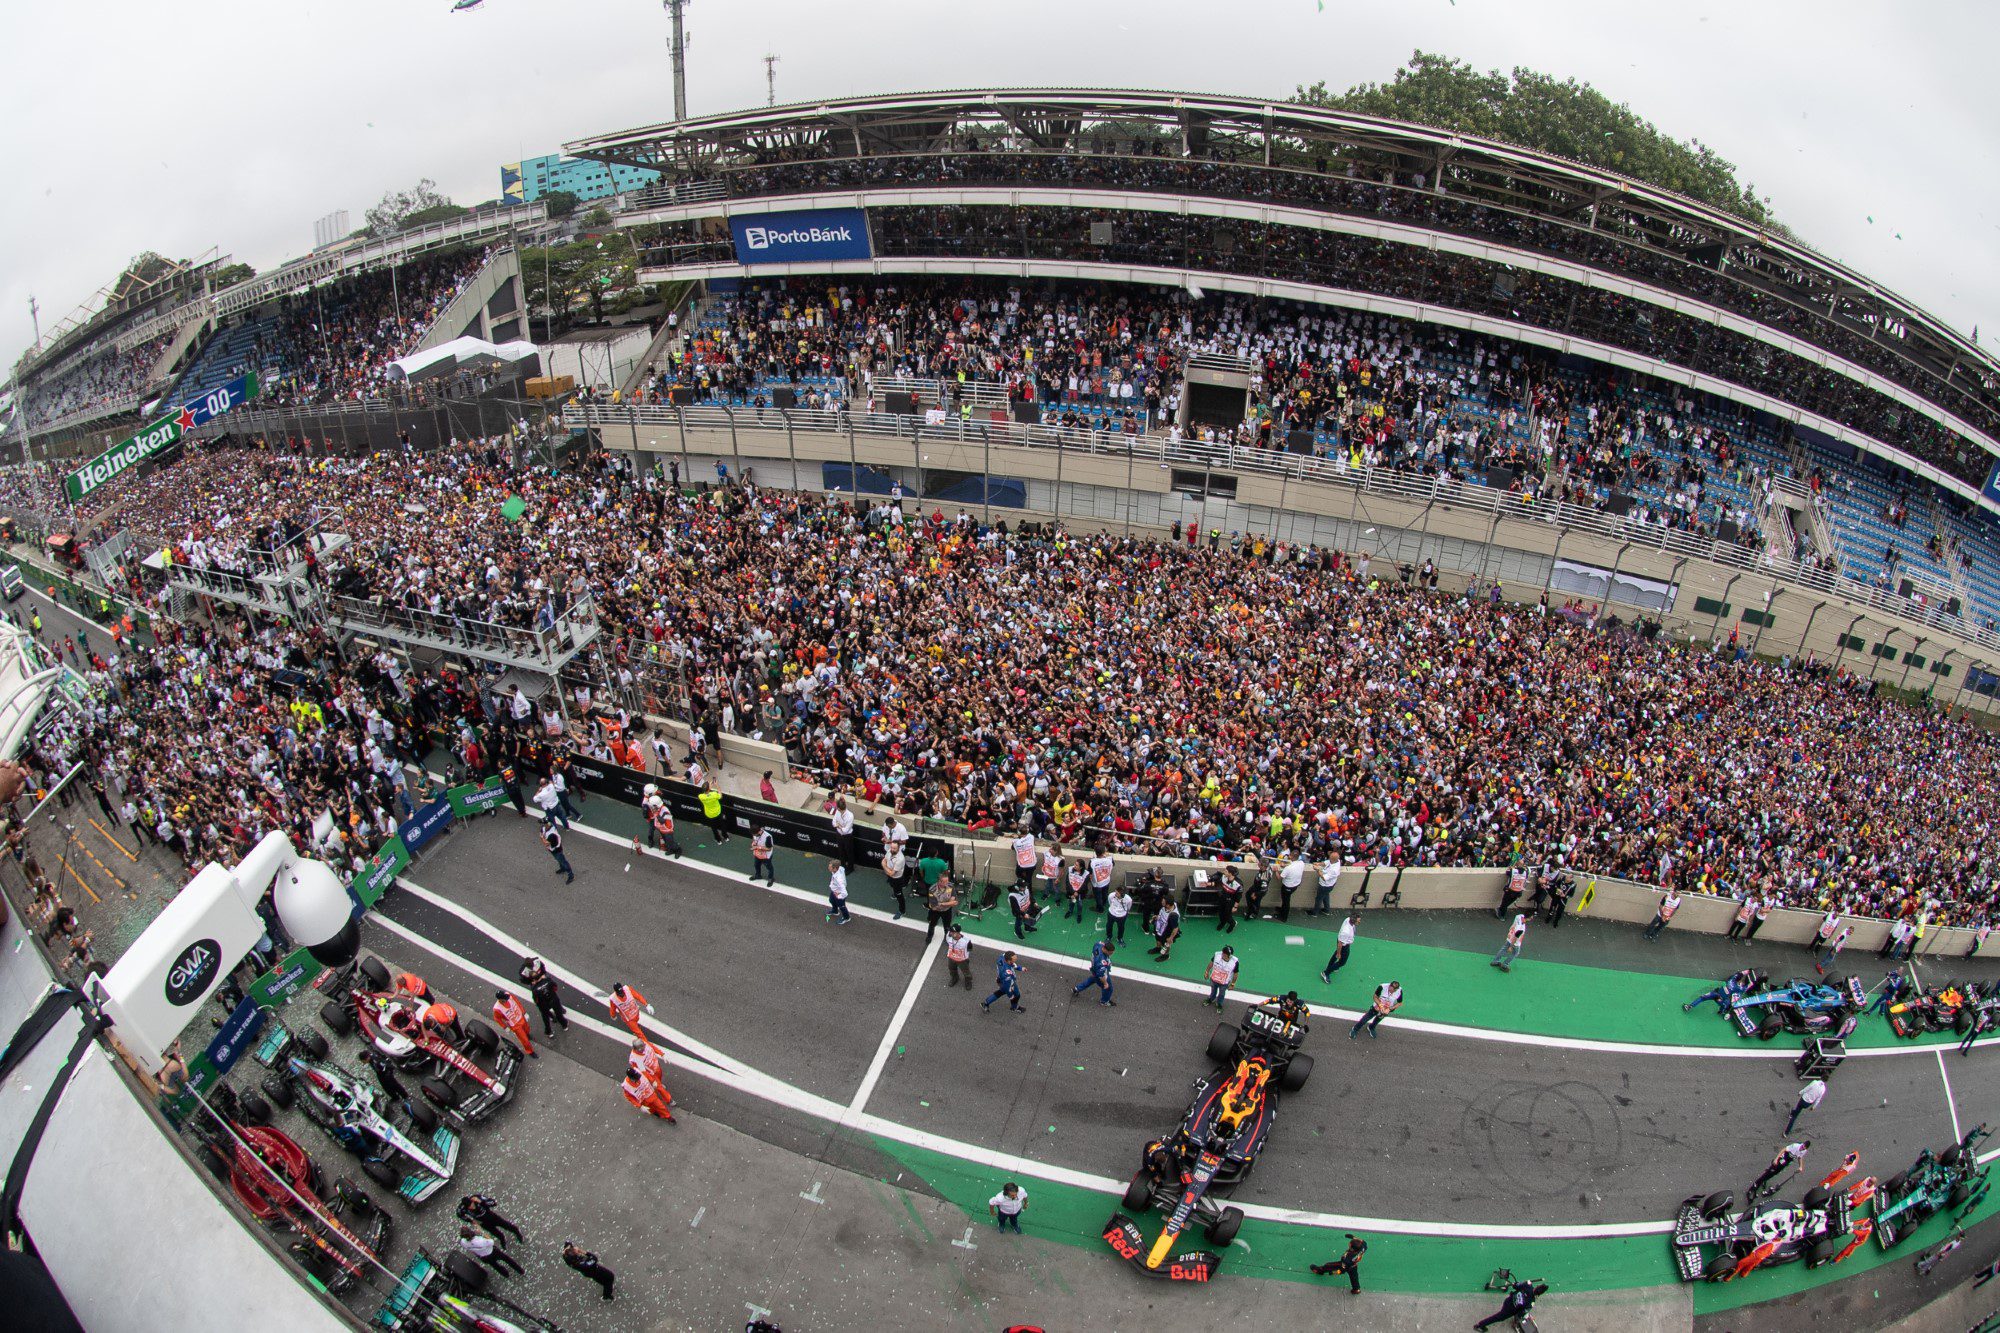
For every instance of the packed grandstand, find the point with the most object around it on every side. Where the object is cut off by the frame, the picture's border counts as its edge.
(1217, 487)
(1231, 696)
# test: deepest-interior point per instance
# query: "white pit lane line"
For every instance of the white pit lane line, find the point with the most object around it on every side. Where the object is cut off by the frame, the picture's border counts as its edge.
(742, 1078)
(1759, 1051)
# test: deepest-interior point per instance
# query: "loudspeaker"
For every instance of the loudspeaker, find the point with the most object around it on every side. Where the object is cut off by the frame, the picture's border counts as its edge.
(1027, 411)
(784, 399)
(680, 395)
(1500, 478)
(1951, 607)
(1299, 442)
(903, 404)
(1726, 530)
(1619, 503)
(1904, 588)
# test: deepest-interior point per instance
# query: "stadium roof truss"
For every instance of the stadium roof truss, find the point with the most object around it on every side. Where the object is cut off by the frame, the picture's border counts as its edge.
(1292, 136)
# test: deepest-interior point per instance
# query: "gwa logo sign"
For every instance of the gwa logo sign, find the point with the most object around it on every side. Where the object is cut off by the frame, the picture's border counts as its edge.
(188, 979)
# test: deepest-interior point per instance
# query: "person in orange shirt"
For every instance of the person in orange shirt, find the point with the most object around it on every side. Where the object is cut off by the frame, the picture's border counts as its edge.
(645, 1058)
(624, 1005)
(648, 1096)
(509, 1014)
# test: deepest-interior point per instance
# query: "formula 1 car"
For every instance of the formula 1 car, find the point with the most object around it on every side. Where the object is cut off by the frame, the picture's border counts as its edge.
(452, 1296)
(1714, 1244)
(1799, 1006)
(469, 1077)
(416, 1161)
(280, 1186)
(1216, 1143)
(1946, 1008)
(1935, 1183)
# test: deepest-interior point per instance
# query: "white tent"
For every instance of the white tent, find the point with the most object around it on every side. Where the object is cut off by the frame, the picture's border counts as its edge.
(461, 354)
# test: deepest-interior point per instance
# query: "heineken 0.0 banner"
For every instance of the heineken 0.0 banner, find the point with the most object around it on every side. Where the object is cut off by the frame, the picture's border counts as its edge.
(162, 434)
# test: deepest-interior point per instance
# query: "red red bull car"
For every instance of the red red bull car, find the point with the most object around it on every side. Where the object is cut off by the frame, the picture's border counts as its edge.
(1714, 1243)
(1215, 1145)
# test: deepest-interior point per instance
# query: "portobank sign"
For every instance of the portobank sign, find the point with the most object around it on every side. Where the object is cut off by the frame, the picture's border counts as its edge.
(162, 434)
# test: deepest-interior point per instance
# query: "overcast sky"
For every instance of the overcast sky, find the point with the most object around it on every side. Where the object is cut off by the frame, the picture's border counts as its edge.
(233, 124)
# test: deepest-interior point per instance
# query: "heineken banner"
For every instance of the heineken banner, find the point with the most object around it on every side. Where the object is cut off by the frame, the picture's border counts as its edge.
(162, 434)
(376, 877)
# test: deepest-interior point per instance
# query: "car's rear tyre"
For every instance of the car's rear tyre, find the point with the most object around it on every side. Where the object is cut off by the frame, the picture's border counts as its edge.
(312, 1044)
(1224, 1228)
(1836, 1018)
(483, 1038)
(1836, 981)
(1138, 1193)
(337, 1019)
(1817, 1197)
(383, 1174)
(1296, 1073)
(374, 973)
(466, 1272)
(1894, 1186)
(439, 1094)
(1716, 1204)
(1961, 1022)
(1820, 1253)
(1959, 1194)
(1950, 1156)
(1222, 1043)
(277, 1091)
(1720, 1267)
(1769, 1026)
(254, 1109)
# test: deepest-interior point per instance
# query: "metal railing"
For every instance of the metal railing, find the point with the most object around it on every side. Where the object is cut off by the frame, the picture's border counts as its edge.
(547, 647)
(1386, 483)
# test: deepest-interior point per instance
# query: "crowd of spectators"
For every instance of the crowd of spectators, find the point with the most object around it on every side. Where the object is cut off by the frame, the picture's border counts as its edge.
(1373, 390)
(334, 344)
(1192, 695)
(109, 378)
(1614, 235)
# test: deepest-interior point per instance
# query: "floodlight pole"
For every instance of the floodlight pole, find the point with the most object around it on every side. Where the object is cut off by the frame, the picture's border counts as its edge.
(675, 8)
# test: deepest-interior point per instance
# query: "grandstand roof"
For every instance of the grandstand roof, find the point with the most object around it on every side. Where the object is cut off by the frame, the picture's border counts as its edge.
(1240, 129)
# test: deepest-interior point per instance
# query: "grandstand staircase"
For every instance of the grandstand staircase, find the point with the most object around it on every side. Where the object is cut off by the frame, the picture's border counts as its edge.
(177, 347)
(671, 335)
(1961, 586)
(467, 315)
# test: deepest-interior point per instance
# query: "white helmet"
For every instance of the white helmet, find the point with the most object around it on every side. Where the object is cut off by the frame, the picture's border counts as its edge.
(652, 789)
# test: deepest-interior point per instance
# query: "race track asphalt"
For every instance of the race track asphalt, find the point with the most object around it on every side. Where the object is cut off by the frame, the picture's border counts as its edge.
(1417, 1126)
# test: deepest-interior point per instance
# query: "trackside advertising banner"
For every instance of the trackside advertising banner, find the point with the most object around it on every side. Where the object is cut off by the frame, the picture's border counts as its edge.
(802, 236)
(162, 434)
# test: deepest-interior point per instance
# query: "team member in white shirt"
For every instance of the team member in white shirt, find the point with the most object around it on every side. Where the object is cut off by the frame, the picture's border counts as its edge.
(1342, 943)
(1100, 877)
(1221, 974)
(1117, 906)
(1388, 999)
(1290, 876)
(836, 895)
(1025, 860)
(761, 850)
(897, 870)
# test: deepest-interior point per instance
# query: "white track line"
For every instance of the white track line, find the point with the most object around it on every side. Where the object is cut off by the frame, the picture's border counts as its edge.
(1950, 1102)
(895, 1028)
(757, 1084)
(1760, 1051)
(560, 973)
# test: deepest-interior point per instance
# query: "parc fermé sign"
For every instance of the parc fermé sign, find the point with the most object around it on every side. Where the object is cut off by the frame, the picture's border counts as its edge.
(806, 235)
(161, 434)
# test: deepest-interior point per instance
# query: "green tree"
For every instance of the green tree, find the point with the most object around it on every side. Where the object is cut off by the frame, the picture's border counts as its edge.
(231, 274)
(560, 276)
(597, 217)
(417, 206)
(560, 203)
(1559, 116)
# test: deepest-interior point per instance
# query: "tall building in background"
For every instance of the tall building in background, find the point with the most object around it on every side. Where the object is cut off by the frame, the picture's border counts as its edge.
(331, 228)
(526, 181)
